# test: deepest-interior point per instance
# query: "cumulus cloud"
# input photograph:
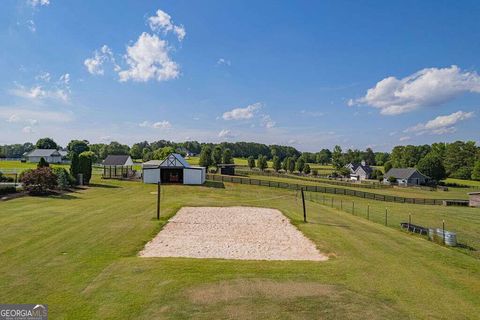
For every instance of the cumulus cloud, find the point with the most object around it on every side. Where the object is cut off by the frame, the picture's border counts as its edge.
(163, 22)
(44, 76)
(38, 92)
(426, 88)
(223, 61)
(36, 3)
(95, 64)
(147, 59)
(267, 121)
(156, 125)
(441, 124)
(226, 134)
(242, 113)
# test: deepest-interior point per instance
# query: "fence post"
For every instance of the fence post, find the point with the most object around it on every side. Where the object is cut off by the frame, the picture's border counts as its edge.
(409, 220)
(368, 211)
(158, 200)
(304, 209)
(332, 202)
(353, 207)
(443, 231)
(341, 204)
(386, 216)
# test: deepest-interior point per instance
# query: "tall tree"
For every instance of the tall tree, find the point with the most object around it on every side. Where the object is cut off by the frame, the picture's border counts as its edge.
(432, 166)
(85, 160)
(476, 171)
(300, 165)
(75, 166)
(251, 162)
(276, 163)
(369, 157)
(206, 157)
(460, 158)
(46, 143)
(227, 156)
(217, 155)
(307, 169)
(337, 158)
(77, 146)
(291, 164)
(324, 156)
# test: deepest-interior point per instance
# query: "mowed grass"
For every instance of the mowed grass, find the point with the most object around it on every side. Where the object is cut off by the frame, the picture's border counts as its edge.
(78, 254)
(407, 192)
(20, 166)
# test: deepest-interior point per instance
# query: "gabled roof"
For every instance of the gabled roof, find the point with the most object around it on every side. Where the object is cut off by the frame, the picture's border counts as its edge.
(117, 160)
(63, 153)
(402, 173)
(44, 153)
(175, 160)
(367, 169)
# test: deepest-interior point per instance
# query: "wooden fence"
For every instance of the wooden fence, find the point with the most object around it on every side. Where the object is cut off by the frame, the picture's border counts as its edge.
(331, 190)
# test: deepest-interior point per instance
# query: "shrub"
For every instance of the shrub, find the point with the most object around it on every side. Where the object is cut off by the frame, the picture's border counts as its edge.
(4, 178)
(64, 179)
(85, 165)
(392, 179)
(307, 169)
(7, 190)
(39, 181)
(42, 163)
(476, 171)
(314, 172)
(462, 173)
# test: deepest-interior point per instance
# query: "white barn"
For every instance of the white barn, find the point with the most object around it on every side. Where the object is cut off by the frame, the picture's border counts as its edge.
(173, 169)
(50, 155)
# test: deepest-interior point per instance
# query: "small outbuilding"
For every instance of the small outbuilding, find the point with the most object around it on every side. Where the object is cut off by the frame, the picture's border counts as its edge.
(118, 166)
(173, 169)
(226, 169)
(474, 199)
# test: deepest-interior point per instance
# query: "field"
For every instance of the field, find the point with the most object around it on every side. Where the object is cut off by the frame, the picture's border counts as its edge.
(78, 253)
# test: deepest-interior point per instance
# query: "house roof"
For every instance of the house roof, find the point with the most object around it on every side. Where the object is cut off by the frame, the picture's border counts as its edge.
(43, 153)
(366, 169)
(116, 160)
(402, 173)
(175, 160)
(63, 153)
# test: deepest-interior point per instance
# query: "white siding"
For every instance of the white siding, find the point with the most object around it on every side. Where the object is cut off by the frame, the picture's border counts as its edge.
(151, 175)
(193, 176)
(48, 159)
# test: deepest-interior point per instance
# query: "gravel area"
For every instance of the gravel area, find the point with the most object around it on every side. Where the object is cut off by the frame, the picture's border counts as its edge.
(245, 233)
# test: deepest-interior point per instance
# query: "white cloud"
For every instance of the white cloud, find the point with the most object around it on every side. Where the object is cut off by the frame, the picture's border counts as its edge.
(267, 121)
(427, 87)
(44, 76)
(38, 92)
(404, 138)
(314, 114)
(163, 22)
(156, 125)
(94, 65)
(31, 26)
(35, 3)
(148, 59)
(226, 134)
(27, 130)
(441, 124)
(33, 116)
(242, 113)
(65, 78)
(223, 61)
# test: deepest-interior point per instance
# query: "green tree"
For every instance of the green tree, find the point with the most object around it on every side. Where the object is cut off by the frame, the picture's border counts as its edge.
(381, 158)
(75, 166)
(262, 163)
(227, 156)
(43, 163)
(276, 163)
(291, 164)
(217, 155)
(387, 166)
(300, 165)
(116, 148)
(432, 166)
(46, 143)
(337, 158)
(206, 157)
(324, 156)
(85, 160)
(77, 146)
(476, 171)
(307, 169)
(369, 157)
(460, 158)
(251, 162)
(136, 152)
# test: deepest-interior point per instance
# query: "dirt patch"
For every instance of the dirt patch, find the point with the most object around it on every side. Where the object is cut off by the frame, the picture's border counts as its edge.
(227, 291)
(245, 233)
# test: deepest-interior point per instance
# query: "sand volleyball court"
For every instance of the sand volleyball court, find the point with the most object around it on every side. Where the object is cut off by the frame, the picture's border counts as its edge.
(245, 233)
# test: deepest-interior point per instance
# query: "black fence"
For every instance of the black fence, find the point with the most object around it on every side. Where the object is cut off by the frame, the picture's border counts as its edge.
(331, 190)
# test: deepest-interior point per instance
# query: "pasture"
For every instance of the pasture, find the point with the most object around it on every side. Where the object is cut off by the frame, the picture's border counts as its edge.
(78, 254)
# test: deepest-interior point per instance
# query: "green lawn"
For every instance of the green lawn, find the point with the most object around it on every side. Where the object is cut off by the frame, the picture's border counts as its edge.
(77, 253)
(20, 166)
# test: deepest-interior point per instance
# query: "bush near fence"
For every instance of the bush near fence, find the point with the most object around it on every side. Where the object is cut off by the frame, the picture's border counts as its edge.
(332, 190)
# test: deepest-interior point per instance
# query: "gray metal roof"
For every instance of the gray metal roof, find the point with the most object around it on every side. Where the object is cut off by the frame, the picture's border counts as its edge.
(174, 160)
(116, 160)
(401, 173)
(43, 153)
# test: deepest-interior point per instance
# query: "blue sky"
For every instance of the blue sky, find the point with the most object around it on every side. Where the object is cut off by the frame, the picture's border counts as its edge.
(311, 74)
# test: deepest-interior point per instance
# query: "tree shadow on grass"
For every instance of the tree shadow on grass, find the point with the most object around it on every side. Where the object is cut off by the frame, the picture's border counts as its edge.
(62, 196)
(101, 185)
(464, 246)
(214, 184)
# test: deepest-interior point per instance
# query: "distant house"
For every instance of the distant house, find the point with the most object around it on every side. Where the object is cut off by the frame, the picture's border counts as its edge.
(117, 166)
(50, 155)
(406, 176)
(173, 169)
(359, 171)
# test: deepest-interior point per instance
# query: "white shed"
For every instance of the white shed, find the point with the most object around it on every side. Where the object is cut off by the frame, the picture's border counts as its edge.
(173, 169)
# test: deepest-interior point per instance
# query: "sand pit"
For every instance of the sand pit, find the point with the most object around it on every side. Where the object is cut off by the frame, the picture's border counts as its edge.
(244, 233)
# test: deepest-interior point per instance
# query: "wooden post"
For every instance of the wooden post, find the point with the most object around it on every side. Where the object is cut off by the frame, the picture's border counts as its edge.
(353, 207)
(332, 202)
(386, 216)
(304, 209)
(409, 220)
(158, 200)
(341, 204)
(16, 179)
(443, 230)
(368, 211)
